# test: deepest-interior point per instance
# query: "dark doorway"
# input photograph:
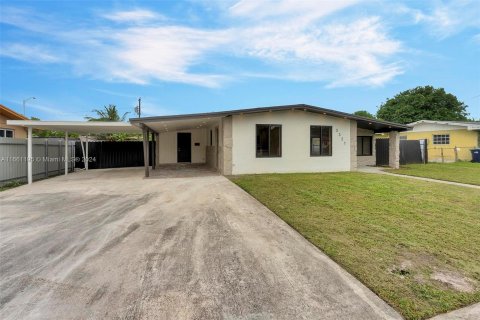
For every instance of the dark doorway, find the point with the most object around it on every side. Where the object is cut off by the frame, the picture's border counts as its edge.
(184, 147)
(381, 151)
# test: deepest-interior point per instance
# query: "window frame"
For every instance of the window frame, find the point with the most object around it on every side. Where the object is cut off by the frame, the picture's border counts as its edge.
(443, 138)
(269, 130)
(5, 133)
(330, 140)
(371, 147)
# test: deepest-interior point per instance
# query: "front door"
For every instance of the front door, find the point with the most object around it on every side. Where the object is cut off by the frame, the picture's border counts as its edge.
(184, 147)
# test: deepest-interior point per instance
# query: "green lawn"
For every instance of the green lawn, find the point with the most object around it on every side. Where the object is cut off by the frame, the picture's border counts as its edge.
(393, 234)
(463, 172)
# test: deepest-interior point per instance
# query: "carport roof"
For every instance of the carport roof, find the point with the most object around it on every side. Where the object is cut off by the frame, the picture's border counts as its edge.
(362, 122)
(81, 127)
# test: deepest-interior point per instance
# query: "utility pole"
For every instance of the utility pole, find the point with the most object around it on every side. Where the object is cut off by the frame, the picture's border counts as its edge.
(24, 102)
(138, 109)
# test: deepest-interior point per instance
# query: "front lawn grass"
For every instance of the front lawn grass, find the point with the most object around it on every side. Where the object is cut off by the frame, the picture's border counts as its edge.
(393, 234)
(463, 172)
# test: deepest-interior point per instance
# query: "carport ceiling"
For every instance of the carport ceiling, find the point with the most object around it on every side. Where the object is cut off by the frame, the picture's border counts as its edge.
(80, 127)
(182, 124)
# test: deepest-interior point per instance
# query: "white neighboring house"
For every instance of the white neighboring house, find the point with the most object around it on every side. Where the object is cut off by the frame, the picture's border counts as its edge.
(290, 138)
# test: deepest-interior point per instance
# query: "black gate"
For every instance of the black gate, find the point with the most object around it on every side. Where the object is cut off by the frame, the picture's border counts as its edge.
(381, 151)
(410, 152)
(113, 154)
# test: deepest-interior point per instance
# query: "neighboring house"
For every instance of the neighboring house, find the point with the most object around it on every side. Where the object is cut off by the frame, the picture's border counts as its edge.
(11, 131)
(447, 141)
(292, 138)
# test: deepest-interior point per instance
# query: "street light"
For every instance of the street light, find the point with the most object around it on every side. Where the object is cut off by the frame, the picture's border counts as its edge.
(24, 101)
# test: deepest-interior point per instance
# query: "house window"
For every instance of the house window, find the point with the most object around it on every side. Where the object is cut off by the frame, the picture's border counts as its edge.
(320, 141)
(6, 133)
(269, 140)
(364, 146)
(211, 137)
(441, 139)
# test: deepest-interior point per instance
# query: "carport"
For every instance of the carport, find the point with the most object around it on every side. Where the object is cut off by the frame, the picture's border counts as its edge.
(81, 127)
(184, 139)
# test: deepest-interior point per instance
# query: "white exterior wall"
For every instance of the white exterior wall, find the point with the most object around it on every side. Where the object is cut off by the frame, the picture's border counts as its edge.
(167, 146)
(363, 161)
(295, 143)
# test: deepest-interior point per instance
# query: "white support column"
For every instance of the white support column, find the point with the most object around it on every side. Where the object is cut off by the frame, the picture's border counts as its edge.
(394, 150)
(29, 156)
(66, 152)
(86, 158)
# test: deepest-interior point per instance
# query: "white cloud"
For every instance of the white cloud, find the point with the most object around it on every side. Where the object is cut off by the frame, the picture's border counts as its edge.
(447, 18)
(136, 15)
(305, 11)
(291, 39)
(29, 53)
(142, 54)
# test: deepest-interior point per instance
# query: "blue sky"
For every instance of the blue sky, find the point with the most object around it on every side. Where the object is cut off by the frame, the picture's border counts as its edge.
(199, 56)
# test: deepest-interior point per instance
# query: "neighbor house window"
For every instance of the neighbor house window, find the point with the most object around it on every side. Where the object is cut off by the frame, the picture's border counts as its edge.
(320, 141)
(269, 140)
(211, 137)
(364, 146)
(441, 139)
(6, 133)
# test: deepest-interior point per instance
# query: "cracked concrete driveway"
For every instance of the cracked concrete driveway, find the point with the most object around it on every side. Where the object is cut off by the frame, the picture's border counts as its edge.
(109, 244)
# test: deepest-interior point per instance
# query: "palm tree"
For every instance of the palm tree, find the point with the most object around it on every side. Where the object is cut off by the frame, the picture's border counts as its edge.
(108, 113)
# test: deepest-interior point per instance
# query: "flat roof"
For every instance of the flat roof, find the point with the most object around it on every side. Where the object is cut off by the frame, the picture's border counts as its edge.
(362, 122)
(83, 127)
(470, 125)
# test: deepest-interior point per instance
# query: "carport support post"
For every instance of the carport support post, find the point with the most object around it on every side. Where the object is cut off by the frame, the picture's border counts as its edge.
(66, 152)
(85, 161)
(394, 150)
(145, 150)
(29, 156)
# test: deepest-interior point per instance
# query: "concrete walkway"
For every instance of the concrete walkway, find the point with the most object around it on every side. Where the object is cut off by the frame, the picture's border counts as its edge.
(379, 170)
(108, 244)
(468, 313)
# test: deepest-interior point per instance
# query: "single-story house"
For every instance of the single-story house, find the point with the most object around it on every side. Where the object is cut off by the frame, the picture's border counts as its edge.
(447, 141)
(289, 138)
(11, 131)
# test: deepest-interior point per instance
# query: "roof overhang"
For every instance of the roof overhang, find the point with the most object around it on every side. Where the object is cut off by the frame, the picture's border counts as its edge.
(193, 120)
(81, 127)
(10, 114)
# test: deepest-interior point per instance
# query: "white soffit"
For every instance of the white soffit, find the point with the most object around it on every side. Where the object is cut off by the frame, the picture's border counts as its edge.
(183, 124)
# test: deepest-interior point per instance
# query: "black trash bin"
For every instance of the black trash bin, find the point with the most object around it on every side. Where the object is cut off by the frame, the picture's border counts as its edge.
(476, 155)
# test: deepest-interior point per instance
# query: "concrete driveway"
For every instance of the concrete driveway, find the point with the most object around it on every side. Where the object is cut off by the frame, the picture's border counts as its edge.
(110, 244)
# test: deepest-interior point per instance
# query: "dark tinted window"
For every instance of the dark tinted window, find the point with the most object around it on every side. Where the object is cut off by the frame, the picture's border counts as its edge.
(320, 141)
(269, 140)
(364, 146)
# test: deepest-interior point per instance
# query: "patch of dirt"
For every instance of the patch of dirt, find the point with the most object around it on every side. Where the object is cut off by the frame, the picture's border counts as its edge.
(403, 269)
(427, 269)
(454, 280)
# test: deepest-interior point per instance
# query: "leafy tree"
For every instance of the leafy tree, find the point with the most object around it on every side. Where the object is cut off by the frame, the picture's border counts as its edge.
(364, 113)
(108, 113)
(422, 103)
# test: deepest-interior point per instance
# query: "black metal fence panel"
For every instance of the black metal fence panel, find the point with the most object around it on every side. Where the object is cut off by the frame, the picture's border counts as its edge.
(410, 152)
(113, 154)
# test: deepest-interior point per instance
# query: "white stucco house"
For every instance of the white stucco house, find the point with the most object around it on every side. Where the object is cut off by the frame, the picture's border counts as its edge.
(279, 139)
